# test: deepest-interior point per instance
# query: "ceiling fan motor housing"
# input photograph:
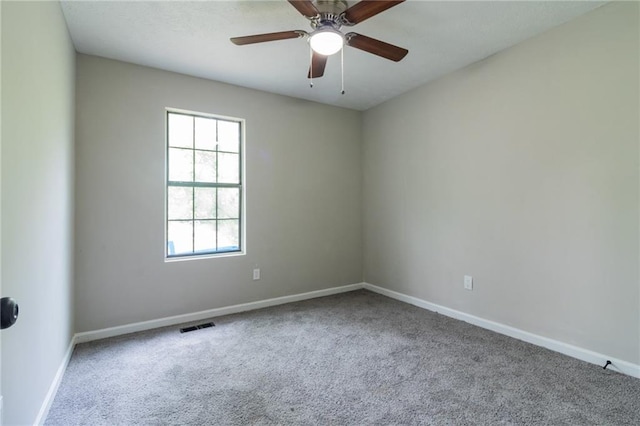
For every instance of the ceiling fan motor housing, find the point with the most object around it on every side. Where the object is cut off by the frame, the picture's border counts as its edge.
(331, 6)
(330, 13)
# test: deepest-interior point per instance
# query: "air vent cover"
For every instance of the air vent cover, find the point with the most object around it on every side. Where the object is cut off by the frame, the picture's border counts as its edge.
(197, 327)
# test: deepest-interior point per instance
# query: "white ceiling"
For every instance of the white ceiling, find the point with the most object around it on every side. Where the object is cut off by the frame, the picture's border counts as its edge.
(193, 38)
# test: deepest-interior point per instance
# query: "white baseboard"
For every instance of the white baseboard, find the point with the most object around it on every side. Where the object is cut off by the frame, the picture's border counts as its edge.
(210, 313)
(53, 389)
(621, 366)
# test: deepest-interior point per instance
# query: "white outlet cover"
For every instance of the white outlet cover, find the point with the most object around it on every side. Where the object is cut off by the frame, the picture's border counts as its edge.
(256, 274)
(468, 282)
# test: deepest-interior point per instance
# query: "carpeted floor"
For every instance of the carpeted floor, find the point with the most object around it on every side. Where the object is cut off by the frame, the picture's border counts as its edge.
(356, 358)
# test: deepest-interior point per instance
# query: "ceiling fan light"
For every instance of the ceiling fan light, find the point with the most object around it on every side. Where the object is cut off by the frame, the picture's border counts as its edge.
(326, 42)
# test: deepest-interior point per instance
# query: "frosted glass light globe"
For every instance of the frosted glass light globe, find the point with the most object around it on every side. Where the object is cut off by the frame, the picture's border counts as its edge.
(326, 42)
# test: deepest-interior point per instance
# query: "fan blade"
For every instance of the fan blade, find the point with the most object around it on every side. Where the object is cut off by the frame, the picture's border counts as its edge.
(318, 62)
(365, 9)
(306, 7)
(261, 38)
(377, 47)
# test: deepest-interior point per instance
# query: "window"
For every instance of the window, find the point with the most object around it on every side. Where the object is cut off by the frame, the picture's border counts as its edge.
(204, 208)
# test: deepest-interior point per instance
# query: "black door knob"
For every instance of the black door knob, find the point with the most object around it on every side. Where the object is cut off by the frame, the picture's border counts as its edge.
(8, 312)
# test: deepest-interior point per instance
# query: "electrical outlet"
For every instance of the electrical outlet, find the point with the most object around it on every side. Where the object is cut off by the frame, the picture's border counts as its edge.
(468, 282)
(256, 274)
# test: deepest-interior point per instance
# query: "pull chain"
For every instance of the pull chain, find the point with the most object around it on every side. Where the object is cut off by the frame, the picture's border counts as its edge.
(342, 68)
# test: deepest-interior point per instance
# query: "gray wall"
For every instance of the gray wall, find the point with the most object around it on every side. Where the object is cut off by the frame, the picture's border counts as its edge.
(37, 200)
(522, 171)
(303, 197)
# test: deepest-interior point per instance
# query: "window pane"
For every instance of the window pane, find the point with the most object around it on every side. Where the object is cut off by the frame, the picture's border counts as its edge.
(228, 203)
(228, 236)
(180, 203)
(180, 130)
(228, 136)
(205, 133)
(180, 236)
(205, 235)
(228, 168)
(180, 164)
(203, 153)
(205, 166)
(205, 203)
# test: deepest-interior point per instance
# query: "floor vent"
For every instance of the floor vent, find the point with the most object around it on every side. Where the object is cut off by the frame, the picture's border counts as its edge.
(197, 327)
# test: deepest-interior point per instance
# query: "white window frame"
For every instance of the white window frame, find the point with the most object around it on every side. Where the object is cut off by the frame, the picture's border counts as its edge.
(242, 186)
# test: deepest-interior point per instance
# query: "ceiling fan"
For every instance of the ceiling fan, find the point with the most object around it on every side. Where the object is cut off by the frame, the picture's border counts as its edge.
(326, 18)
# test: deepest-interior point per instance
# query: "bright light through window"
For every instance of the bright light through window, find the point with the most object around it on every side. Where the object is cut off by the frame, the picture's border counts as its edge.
(204, 185)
